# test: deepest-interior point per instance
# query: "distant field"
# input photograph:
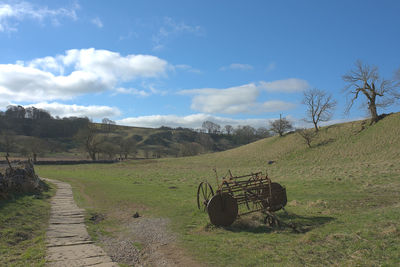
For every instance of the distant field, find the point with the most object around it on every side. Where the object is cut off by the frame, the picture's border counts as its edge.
(343, 194)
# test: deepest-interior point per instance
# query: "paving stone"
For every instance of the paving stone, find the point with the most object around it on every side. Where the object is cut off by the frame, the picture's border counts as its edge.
(67, 240)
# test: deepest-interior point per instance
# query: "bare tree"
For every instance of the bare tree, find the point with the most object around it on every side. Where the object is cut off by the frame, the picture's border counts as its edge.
(308, 135)
(245, 134)
(365, 79)
(127, 147)
(228, 129)
(262, 132)
(107, 124)
(280, 126)
(320, 106)
(90, 139)
(35, 147)
(211, 127)
(108, 148)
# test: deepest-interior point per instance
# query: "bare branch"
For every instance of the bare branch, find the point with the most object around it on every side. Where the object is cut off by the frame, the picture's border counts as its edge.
(320, 106)
(365, 78)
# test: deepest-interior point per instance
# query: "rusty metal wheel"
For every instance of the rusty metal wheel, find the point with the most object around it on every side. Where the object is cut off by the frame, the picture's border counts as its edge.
(222, 209)
(204, 194)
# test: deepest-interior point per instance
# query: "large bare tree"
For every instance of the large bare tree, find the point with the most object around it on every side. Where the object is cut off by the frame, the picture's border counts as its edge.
(320, 106)
(365, 79)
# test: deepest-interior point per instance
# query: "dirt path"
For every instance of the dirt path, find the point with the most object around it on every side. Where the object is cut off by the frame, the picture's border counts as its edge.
(68, 242)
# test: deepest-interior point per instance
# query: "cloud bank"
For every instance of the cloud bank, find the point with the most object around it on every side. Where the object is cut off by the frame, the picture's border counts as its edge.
(64, 110)
(190, 121)
(75, 73)
(291, 85)
(234, 100)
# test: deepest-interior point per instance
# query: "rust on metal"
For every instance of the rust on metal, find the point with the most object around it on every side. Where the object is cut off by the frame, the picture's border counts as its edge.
(254, 192)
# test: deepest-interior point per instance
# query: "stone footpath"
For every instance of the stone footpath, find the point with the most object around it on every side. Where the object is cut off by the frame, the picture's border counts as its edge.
(68, 242)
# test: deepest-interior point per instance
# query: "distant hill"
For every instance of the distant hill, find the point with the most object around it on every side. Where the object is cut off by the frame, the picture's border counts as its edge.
(37, 134)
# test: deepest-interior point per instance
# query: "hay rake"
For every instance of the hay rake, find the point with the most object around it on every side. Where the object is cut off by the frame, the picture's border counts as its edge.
(240, 195)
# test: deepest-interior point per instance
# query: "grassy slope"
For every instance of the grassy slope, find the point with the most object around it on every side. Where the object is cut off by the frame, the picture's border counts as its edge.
(23, 224)
(344, 193)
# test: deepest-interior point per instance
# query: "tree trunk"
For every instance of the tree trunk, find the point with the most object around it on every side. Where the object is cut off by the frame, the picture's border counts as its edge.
(374, 113)
(316, 127)
(93, 155)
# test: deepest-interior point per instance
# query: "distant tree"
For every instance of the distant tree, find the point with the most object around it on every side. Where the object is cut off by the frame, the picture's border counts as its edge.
(211, 127)
(366, 80)
(280, 126)
(36, 114)
(15, 112)
(205, 141)
(127, 147)
(189, 149)
(319, 105)
(308, 135)
(245, 134)
(107, 124)
(228, 129)
(90, 139)
(146, 153)
(108, 148)
(262, 132)
(7, 141)
(35, 147)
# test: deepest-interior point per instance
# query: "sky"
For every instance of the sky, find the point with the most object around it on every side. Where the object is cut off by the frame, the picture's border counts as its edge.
(180, 63)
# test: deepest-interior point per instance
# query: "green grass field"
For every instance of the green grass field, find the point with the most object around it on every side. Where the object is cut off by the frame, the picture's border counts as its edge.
(343, 193)
(23, 224)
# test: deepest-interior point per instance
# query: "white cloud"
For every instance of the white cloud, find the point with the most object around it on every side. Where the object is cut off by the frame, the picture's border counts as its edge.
(3, 104)
(190, 121)
(16, 11)
(185, 67)
(97, 21)
(89, 70)
(131, 91)
(234, 100)
(64, 110)
(291, 85)
(237, 66)
(171, 28)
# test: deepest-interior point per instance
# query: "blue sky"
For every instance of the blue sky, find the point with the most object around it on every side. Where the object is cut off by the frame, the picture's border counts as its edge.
(179, 63)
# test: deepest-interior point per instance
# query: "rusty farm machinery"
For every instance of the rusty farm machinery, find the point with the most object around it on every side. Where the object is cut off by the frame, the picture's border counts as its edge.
(240, 195)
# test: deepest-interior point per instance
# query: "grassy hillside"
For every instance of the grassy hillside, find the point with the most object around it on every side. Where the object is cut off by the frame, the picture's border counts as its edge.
(58, 139)
(343, 194)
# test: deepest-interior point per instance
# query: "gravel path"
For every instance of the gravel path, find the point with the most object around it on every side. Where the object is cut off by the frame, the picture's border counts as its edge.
(68, 242)
(157, 245)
